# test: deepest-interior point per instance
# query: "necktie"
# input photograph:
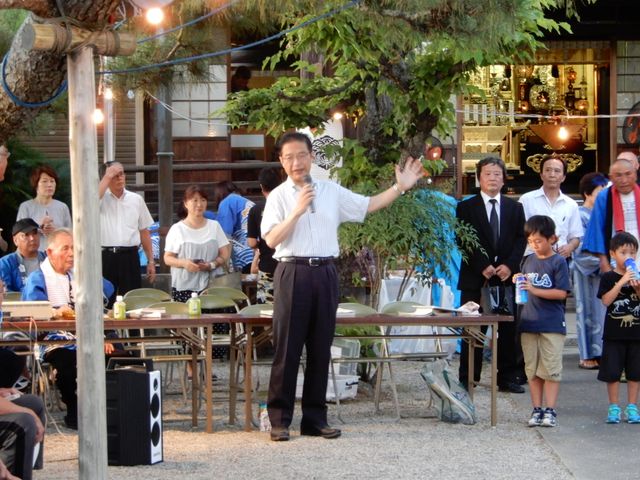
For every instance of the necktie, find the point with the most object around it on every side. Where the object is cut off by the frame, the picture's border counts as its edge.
(494, 223)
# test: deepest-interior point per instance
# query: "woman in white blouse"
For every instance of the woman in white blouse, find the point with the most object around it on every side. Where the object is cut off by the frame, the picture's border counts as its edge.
(194, 247)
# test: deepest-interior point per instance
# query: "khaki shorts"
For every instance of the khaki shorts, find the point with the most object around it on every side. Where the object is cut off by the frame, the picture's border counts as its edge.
(543, 355)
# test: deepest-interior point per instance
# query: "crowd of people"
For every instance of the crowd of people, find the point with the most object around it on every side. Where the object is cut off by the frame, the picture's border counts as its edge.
(41, 268)
(559, 247)
(290, 241)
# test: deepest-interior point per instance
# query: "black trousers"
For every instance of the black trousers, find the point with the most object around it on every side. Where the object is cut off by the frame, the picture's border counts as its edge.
(20, 430)
(12, 366)
(65, 363)
(305, 304)
(510, 358)
(122, 269)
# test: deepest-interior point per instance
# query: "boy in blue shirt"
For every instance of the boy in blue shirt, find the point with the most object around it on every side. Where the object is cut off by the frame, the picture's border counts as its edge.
(620, 293)
(543, 327)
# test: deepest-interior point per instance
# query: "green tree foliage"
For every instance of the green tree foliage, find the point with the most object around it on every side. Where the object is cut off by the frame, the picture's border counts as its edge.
(391, 67)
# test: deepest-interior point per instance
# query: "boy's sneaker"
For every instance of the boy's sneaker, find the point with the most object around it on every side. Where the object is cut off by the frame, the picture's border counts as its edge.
(536, 417)
(549, 418)
(631, 412)
(613, 415)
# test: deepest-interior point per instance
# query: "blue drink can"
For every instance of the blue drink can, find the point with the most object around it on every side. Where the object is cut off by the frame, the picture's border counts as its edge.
(630, 264)
(522, 296)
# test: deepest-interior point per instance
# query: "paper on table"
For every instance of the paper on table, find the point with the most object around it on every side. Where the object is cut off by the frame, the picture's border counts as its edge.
(345, 312)
(417, 312)
(146, 312)
(266, 313)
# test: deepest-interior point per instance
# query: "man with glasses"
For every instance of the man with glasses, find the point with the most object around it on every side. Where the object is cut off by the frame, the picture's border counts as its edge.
(300, 221)
(17, 266)
(550, 201)
(124, 226)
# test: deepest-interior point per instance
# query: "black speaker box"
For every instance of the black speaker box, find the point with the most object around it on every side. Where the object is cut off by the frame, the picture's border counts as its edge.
(134, 416)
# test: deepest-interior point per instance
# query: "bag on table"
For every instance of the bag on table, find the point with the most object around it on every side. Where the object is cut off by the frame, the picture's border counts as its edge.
(497, 300)
(450, 398)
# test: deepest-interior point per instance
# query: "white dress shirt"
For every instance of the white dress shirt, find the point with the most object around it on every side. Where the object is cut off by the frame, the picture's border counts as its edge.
(564, 212)
(315, 234)
(121, 219)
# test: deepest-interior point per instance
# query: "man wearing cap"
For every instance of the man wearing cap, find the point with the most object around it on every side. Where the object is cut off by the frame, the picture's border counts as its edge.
(16, 267)
(124, 226)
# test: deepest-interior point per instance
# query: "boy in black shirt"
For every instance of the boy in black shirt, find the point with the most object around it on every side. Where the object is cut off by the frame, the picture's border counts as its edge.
(620, 293)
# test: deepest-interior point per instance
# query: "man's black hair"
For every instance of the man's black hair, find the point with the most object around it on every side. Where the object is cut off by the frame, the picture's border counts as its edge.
(491, 161)
(293, 137)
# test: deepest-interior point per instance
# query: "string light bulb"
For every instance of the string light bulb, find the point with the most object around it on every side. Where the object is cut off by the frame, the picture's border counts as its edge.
(97, 116)
(337, 116)
(108, 94)
(563, 133)
(155, 16)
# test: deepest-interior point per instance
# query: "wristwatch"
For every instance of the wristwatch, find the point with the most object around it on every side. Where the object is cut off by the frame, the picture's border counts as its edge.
(397, 189)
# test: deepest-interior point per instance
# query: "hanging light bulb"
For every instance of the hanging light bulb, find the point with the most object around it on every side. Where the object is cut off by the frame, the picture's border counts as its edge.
(155, 16)
(97, 116)
(563, 133)
(108, 94)
(582, 105)
(337, 116)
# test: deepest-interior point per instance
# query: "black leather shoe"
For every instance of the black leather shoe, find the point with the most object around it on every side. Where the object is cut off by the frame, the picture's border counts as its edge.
(279, 434)
(324, 432)
(510, 387)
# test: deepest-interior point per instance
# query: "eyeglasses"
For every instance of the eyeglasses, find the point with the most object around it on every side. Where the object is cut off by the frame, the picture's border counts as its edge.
(297, 156)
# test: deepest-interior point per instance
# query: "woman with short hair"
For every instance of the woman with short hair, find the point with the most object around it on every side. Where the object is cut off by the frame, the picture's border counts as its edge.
(48, 212)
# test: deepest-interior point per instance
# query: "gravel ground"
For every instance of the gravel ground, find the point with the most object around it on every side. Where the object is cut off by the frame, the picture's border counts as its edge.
(372, 445)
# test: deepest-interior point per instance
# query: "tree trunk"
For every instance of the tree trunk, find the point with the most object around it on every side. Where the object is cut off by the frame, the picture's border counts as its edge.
(35, 76)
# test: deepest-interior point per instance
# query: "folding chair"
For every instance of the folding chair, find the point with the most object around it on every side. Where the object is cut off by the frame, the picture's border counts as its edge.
(382, 358)
(234, 294)
(159, 295)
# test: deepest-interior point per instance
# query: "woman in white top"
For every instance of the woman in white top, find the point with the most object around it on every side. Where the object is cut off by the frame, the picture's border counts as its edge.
(194, 247)
(49, 213)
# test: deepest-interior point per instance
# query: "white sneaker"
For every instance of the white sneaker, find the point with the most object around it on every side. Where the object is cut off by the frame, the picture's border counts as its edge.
(536, 418)
(549, 418)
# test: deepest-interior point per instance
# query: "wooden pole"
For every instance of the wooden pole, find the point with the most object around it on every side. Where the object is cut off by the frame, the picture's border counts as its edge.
(83, 146)
(48, 36)
(164, 135)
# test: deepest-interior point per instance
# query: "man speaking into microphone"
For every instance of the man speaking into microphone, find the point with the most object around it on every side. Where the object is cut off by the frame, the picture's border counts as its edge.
(300, 221)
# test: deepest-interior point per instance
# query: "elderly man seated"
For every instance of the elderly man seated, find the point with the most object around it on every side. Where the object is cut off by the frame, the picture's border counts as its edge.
(16, 267)
(54, 282)
(21, 433)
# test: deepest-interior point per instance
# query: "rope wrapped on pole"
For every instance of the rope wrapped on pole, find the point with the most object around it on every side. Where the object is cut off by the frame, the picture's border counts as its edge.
(64, 39)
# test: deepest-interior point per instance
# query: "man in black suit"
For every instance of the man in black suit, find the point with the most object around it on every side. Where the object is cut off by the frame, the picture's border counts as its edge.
(499, 224)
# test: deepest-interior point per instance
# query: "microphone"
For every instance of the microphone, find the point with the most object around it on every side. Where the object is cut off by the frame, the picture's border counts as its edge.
(307, 179)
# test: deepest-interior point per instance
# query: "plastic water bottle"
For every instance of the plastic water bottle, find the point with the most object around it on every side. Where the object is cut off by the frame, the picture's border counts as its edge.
(194, 305)
(522, 296)
(630, 264)
(119, 308)
(265, 423)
